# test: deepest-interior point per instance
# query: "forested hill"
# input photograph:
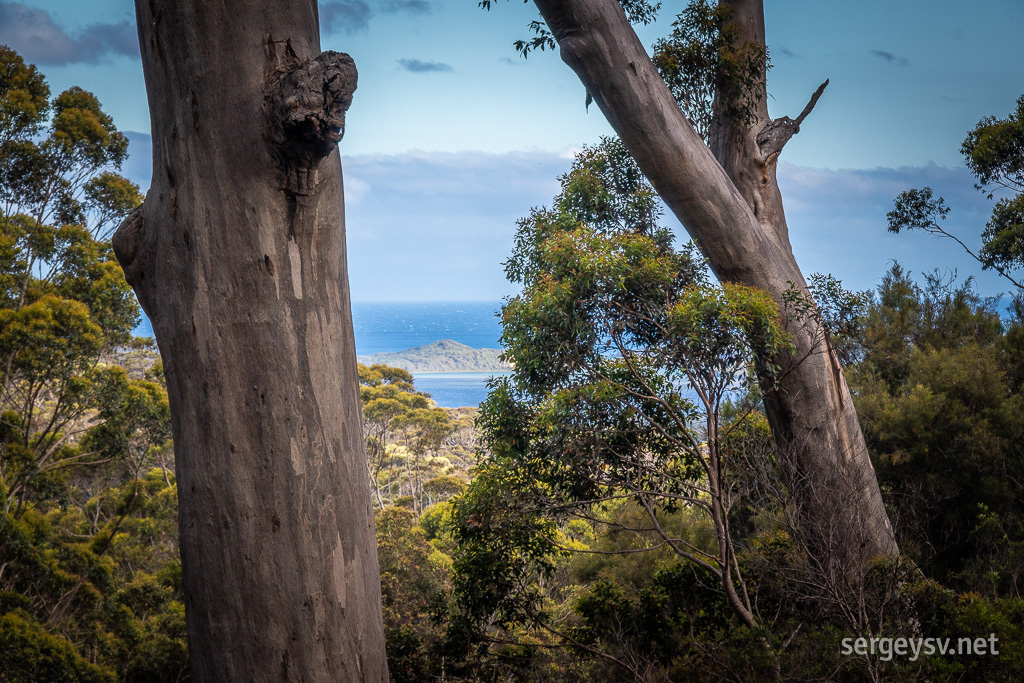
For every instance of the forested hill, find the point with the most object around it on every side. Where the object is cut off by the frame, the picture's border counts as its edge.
(445, 355)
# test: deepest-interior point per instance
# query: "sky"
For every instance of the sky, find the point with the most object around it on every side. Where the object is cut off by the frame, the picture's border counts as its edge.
(452, 136)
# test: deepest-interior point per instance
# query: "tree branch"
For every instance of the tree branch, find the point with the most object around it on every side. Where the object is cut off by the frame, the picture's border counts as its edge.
(774, 136)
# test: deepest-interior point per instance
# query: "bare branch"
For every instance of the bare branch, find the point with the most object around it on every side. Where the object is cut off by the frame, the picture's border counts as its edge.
(810, 105)
(774, 136)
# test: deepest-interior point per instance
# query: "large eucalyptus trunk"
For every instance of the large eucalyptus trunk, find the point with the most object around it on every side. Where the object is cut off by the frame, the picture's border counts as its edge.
(238, 257)
(729, 202)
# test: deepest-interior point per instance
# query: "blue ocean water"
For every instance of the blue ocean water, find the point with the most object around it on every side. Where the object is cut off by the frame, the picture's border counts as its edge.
(396, 326)
(455, 389)
(399, 326)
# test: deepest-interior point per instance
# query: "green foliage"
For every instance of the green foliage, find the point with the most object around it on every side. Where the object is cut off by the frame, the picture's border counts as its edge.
(90, 585)
(613, 328)
(64, 176)
(994, 151)
(403, 427)
(49, 340)
(24, 96)
(629, 372)
(406, 572)
(841, 313)
(624, 356)
(942, 411)
(30, 654)
(135, 419)
(917, 210)
(637, 11)
(711, 74)
(109, 197)
(63, 299)
(642, 626)
(1003, 236)
(443, 487)
(101, 583)
(503, 547)
(419, 458)
(434, 521)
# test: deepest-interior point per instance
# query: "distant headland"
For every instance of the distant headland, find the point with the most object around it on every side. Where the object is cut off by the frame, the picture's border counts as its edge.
(445, 355)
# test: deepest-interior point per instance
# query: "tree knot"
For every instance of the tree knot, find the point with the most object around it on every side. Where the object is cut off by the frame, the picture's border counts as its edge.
(127, 238)
(307, 106)
(774, 136)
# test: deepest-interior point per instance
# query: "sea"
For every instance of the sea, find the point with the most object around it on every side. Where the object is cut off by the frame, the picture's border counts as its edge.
(396, 326)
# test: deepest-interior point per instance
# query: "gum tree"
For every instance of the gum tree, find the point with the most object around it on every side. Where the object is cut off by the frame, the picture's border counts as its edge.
(625, 359)
(238, 257)
(725, 193)
(64, 303)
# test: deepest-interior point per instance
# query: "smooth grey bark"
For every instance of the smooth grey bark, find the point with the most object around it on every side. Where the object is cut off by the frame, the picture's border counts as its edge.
(238, 257)
(732, 208)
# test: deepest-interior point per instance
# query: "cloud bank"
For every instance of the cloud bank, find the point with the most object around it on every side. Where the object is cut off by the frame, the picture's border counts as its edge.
(417, 66)
(350, 16)
(837, 221)
(432, 226)
(36, 36)
(890, 57)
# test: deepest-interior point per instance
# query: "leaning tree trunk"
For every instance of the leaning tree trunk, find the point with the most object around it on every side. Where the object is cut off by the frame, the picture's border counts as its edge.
(732, 208)
(238, 257)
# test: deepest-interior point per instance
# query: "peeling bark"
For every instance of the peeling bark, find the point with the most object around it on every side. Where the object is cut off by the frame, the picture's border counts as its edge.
(728, 199)
(238, 257)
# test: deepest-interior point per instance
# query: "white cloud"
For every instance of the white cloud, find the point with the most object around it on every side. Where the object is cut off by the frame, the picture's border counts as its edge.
(439, 225)
(837, 221)
(356, 190)
(36, 36)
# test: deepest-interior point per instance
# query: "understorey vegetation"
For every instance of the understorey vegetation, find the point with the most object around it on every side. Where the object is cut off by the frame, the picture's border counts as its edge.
(628, 518)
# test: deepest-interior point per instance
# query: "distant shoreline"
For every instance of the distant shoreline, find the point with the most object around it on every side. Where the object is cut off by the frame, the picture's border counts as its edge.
(445, 356)
(460, 374)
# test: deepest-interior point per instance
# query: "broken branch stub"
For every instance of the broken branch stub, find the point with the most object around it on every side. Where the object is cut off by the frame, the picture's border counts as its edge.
(774, 136)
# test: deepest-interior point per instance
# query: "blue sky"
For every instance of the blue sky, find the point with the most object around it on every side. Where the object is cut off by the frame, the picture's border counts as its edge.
(452, 136)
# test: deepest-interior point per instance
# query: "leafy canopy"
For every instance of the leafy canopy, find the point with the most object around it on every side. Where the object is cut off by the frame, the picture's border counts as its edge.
(712, 74)
(637, 11)
(64, 303)
(90, 582)
(624, 356)
(994, 151)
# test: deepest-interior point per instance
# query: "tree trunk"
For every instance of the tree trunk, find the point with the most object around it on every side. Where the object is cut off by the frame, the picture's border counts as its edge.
(732, 208)
(238, 257)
